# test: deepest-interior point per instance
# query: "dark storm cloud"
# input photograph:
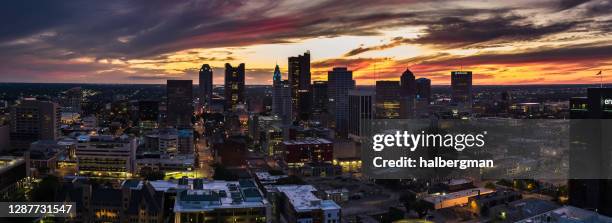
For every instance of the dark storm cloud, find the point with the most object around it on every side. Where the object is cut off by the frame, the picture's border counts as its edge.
(450, 32)
(461, 32)
(563, 55)
(23, 18)
(339, 62)
(140, 29)
(43, 37)
(603, 7)
(567, 4)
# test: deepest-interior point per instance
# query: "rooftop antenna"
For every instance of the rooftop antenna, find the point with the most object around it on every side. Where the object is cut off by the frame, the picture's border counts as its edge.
(600, 74)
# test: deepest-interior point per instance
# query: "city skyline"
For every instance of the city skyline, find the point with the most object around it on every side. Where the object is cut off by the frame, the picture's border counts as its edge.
(505, 43)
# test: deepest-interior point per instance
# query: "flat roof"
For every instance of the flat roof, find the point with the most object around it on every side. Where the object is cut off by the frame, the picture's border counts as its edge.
(303, 199)
(213, 195)
(267, 177)
(438, 198)
(570, 214)
(9, 162)
(307, 141)
(459, 181)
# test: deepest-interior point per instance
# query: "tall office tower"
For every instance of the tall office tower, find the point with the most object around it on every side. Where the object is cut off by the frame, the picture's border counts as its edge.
(340, 82)
(234, 86)
(408, 83)
(319, 97)
(461, 83)
(361, 108)
(33, 120)
(276, 91)
(299, 77)
(423, 89)
(388, 99)
(286, 105)
(407, 94)
(590, 186)
(206, 85)
(179, 103)
(148, 114)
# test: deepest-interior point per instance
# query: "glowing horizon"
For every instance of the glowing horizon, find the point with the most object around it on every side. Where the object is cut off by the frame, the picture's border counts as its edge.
(502, 43)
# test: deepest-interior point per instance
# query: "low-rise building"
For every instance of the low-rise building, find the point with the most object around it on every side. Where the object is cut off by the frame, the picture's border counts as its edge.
(198, 200)
(162, 140)
(43, 155)
(106, 156)
(13, 174)
(185, 141)
(164, 162)
(135, 201)
(459, 198)
(337, 195)
(264, 178)
(568, 214)
(483, 202)
(298, 203)
(309, 150)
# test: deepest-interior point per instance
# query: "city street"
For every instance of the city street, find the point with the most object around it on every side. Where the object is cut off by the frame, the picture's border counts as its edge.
(203, 154)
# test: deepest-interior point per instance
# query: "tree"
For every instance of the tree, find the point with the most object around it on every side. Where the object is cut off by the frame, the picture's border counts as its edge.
(490, 185)
(46, 189)
(16, 196)
(421, 207)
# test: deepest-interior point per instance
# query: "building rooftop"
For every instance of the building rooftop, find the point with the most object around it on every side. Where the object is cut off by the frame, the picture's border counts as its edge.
(458, 181)
(303, 199)
(438, 198)
(266, 178)
(9, 162)
(568, 214)
(307, 141)
(211, 195)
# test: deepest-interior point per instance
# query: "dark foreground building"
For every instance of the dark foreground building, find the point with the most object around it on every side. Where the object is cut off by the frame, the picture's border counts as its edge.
(180, 104)
(591, 151)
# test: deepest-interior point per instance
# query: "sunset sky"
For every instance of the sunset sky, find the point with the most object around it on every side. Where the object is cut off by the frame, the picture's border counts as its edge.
(149, 41)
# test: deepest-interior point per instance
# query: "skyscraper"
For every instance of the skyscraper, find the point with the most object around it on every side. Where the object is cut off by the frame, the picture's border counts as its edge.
(361, 107)
(407, 94)
(286, 106)
(423, 89)
(179, 103)
(461, 83)
(276, 94)
(320, 99)
(340, 82)
(388, 99)
(234, 86)
(408, 83)
(206, 85)
(33, 120)
(590, 155)
(299, 77)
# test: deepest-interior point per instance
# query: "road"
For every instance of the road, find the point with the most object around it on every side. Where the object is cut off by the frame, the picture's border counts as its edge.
(203, 154)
